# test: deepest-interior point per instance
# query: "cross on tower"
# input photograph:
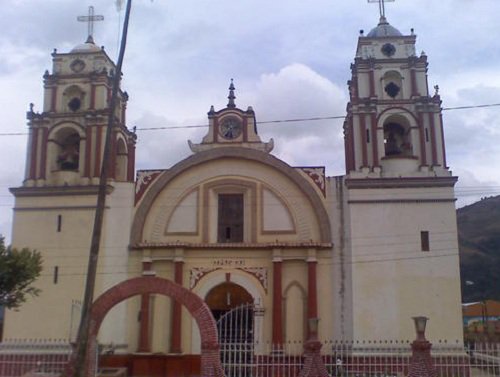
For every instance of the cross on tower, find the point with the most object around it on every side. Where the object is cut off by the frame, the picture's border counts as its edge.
(90, 19)
(381, 5)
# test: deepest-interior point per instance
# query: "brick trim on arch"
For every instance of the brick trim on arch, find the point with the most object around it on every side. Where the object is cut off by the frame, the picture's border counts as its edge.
(229, 152)
(210, 359)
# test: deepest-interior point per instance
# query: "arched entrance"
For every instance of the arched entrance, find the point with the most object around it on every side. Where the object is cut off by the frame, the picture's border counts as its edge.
(227, 296)
(210, 363)
(233, 308)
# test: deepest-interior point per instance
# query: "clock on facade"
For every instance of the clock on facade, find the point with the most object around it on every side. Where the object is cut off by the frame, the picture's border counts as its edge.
(388, 49)
(230, 128)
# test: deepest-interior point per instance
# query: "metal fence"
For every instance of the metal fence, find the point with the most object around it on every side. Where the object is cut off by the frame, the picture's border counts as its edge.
(247, 359)
(359, 359)
(32, 357)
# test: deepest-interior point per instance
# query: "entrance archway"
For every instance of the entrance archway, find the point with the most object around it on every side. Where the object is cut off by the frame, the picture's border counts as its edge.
(210, 362)
(226, 296)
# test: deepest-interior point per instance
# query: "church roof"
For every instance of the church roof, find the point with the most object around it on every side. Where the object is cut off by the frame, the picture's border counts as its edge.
(384, 29)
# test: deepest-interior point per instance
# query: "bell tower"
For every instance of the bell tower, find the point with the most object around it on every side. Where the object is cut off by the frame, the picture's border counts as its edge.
(393, 127)
(55, 205)
(66, 139)
(401, 250)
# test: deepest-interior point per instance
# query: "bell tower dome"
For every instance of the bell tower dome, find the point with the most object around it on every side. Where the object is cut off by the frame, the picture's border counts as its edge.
(393, 126)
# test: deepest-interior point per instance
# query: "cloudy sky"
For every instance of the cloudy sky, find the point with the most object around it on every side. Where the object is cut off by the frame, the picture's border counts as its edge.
(289, 59)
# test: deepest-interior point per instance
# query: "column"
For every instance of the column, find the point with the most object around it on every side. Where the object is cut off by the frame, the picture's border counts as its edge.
(176, 324)
(144, 341)
(312, 291)
(277, 338)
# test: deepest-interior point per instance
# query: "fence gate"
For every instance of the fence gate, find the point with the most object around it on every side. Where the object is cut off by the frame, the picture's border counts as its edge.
(236, 337)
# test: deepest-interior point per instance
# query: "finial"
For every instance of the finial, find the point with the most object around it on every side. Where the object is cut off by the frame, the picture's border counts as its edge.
(231, 96)
(436, 88)
(361, 32)
(381, 6)
(90, 19)
(32, 106)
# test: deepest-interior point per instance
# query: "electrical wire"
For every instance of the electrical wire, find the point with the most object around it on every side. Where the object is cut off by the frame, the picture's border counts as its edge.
(276, 121)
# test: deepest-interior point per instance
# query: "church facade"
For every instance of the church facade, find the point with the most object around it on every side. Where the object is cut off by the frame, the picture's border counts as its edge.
(364, 252)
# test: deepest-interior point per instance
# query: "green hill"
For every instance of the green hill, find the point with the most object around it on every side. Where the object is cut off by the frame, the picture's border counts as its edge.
(479, 243)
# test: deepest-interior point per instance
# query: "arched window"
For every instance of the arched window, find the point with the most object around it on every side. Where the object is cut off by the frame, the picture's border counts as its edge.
(68, 153)
(73, 98)
(397, 138)
(392, 84)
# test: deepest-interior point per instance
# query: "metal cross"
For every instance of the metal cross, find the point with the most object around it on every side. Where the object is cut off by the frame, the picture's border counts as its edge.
(90, 19)
(381, 5)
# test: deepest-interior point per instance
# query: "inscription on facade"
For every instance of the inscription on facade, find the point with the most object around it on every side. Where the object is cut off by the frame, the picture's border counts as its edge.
(233, 263)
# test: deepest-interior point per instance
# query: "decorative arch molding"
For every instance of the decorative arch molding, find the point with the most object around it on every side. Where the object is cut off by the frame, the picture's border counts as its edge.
(401, 111)
(230, 152)
(210, 360)
(77, 127)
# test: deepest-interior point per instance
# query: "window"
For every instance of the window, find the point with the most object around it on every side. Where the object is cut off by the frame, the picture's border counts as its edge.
(59, 223)
(230, 218)
(56, 274)
(424, 240)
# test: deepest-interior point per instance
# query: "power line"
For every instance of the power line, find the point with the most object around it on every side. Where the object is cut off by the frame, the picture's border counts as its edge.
(276, 121)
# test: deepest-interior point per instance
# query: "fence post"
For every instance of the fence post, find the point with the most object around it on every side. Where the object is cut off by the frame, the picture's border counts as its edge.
(314, 365)
(421, 364)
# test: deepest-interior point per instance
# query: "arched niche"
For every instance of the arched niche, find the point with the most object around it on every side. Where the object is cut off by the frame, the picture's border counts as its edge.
(397, 136)
(73, 99)
(392, 85)
(65, 145)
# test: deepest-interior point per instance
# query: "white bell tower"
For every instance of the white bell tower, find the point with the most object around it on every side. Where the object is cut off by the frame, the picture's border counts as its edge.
(401, 249)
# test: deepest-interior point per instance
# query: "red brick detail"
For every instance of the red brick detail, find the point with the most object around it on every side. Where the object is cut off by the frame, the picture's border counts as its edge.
(312, 291)
(210, 358)
(176, 325)
(314, 365)
(277, 304)
(144, 179)
(421, 364)
(362, 130)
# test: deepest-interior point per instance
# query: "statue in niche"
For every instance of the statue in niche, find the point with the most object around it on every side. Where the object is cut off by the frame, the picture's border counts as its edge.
(68, 158)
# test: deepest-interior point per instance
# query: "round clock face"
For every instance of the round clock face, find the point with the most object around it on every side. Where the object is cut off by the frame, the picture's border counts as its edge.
(230, 128)
(388, 49)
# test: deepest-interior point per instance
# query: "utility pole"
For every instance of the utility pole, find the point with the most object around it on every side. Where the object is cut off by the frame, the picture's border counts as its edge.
(78, 359)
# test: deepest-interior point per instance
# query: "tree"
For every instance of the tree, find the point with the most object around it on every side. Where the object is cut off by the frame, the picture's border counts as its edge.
(18, 271)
